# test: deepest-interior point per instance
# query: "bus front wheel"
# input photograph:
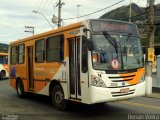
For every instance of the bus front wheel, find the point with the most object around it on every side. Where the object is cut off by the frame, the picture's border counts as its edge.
(58, 98)
(20, 89)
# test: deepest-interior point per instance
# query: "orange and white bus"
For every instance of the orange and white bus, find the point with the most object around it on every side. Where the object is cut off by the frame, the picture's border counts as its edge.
(93, 61)
(4, 65)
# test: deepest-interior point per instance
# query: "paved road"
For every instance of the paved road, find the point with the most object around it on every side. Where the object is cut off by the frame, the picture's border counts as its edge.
(36, 107)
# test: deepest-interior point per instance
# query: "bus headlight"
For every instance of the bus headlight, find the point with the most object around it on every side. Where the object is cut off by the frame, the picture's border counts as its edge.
(96, 81)
(142, 79)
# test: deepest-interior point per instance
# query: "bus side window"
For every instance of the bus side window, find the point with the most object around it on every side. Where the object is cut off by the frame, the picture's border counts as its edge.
(40, 51)
(21, 50)
(84, 55)
(13, 55)
(55, 48)
(61, 48)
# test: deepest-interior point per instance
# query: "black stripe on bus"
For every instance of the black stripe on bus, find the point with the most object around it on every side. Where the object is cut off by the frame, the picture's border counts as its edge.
(122, 76)
(121, 80)
(123, 94)
(122, 86)
(120, 92)
(41, 80)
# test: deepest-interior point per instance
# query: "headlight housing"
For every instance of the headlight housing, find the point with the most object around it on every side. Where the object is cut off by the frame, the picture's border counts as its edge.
(142, 79)
(97, 82)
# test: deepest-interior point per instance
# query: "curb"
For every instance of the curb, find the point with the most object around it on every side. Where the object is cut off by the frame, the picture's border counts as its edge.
(154, 95)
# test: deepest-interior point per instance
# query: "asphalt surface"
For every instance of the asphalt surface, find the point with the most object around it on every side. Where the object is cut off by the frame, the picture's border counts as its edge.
(37, 107)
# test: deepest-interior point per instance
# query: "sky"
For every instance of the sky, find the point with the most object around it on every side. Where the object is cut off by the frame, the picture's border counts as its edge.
(16, 14)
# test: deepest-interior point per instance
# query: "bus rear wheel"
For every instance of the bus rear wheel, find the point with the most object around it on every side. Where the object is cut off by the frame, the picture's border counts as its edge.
(20, 89)
(2, 74)
(58, 98)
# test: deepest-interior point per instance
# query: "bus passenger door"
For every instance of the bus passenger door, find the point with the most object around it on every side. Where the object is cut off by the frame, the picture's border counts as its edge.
(74, 67)
(30, 67)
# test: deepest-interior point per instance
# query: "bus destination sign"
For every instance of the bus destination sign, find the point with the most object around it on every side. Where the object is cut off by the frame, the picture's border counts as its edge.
(113, 26)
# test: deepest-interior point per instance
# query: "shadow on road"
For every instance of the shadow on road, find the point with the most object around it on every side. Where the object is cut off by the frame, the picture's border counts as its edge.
(4, 79)
(40, 107)
(81, 111)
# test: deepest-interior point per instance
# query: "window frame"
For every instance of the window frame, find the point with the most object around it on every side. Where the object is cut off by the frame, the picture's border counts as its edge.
(19, 54)
(11, 56)
(59, 48)
(84, 55)
(40, 51)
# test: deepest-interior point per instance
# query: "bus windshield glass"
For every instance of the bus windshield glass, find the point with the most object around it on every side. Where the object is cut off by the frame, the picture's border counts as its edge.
(3, 59)
(116, 51)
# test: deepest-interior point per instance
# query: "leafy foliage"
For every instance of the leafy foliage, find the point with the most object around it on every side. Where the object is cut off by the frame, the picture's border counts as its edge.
(3, 47)
(122, 13)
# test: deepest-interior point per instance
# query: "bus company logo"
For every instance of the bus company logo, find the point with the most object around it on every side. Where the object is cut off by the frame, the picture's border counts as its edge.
(123, 83)
(13, 72)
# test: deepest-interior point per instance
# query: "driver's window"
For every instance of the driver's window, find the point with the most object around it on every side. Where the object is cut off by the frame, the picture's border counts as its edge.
(84, 55)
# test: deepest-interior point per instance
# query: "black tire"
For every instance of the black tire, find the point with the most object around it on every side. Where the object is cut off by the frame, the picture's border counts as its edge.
(20, 89)
(58, 98)
(2, 74)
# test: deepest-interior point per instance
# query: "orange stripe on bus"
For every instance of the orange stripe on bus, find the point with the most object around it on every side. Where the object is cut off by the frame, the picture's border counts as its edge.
(6, 67)
(128, 74)
(136, 78)
(128, 78)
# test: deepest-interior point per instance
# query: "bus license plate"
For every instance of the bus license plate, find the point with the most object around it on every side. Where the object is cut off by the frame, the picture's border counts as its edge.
(126, 90)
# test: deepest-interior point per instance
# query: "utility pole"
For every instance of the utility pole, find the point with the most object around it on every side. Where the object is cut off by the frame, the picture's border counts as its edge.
(149, 47)
(59, 4)
(78, 12)
(130, 11)
(29, 29)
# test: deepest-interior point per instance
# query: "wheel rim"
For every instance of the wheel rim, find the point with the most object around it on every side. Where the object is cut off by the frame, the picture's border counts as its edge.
(58, 97)
(3, 74)
(19, 89)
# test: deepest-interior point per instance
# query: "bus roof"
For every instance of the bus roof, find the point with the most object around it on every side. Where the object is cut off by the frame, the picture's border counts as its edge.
(3, 54)
(58, 30)
(112, 20)
(55, 31)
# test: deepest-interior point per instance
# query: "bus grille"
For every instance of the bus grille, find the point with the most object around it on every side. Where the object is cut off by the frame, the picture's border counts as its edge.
(117, 94)
(122, 78)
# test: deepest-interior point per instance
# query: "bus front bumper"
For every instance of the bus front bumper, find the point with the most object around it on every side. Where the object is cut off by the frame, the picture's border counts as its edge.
(100, 95)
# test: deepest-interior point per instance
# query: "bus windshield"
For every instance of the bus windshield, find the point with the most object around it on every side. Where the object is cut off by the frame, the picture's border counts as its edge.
(116, 51)
(3, 59)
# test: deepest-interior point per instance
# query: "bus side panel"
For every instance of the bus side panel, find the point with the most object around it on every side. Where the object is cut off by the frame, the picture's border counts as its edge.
(21, 73)
(44, 73)
(48, 71)
(54, 71)
(13, 83)
(18, 72)
(12, 75)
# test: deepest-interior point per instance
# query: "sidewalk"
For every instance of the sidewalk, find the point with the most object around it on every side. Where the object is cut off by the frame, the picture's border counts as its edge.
(154, 95)
(155, 87)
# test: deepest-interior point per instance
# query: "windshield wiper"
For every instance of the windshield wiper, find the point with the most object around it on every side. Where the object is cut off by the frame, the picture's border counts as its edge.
(110, 39)
(128, 37)
(125, 44)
